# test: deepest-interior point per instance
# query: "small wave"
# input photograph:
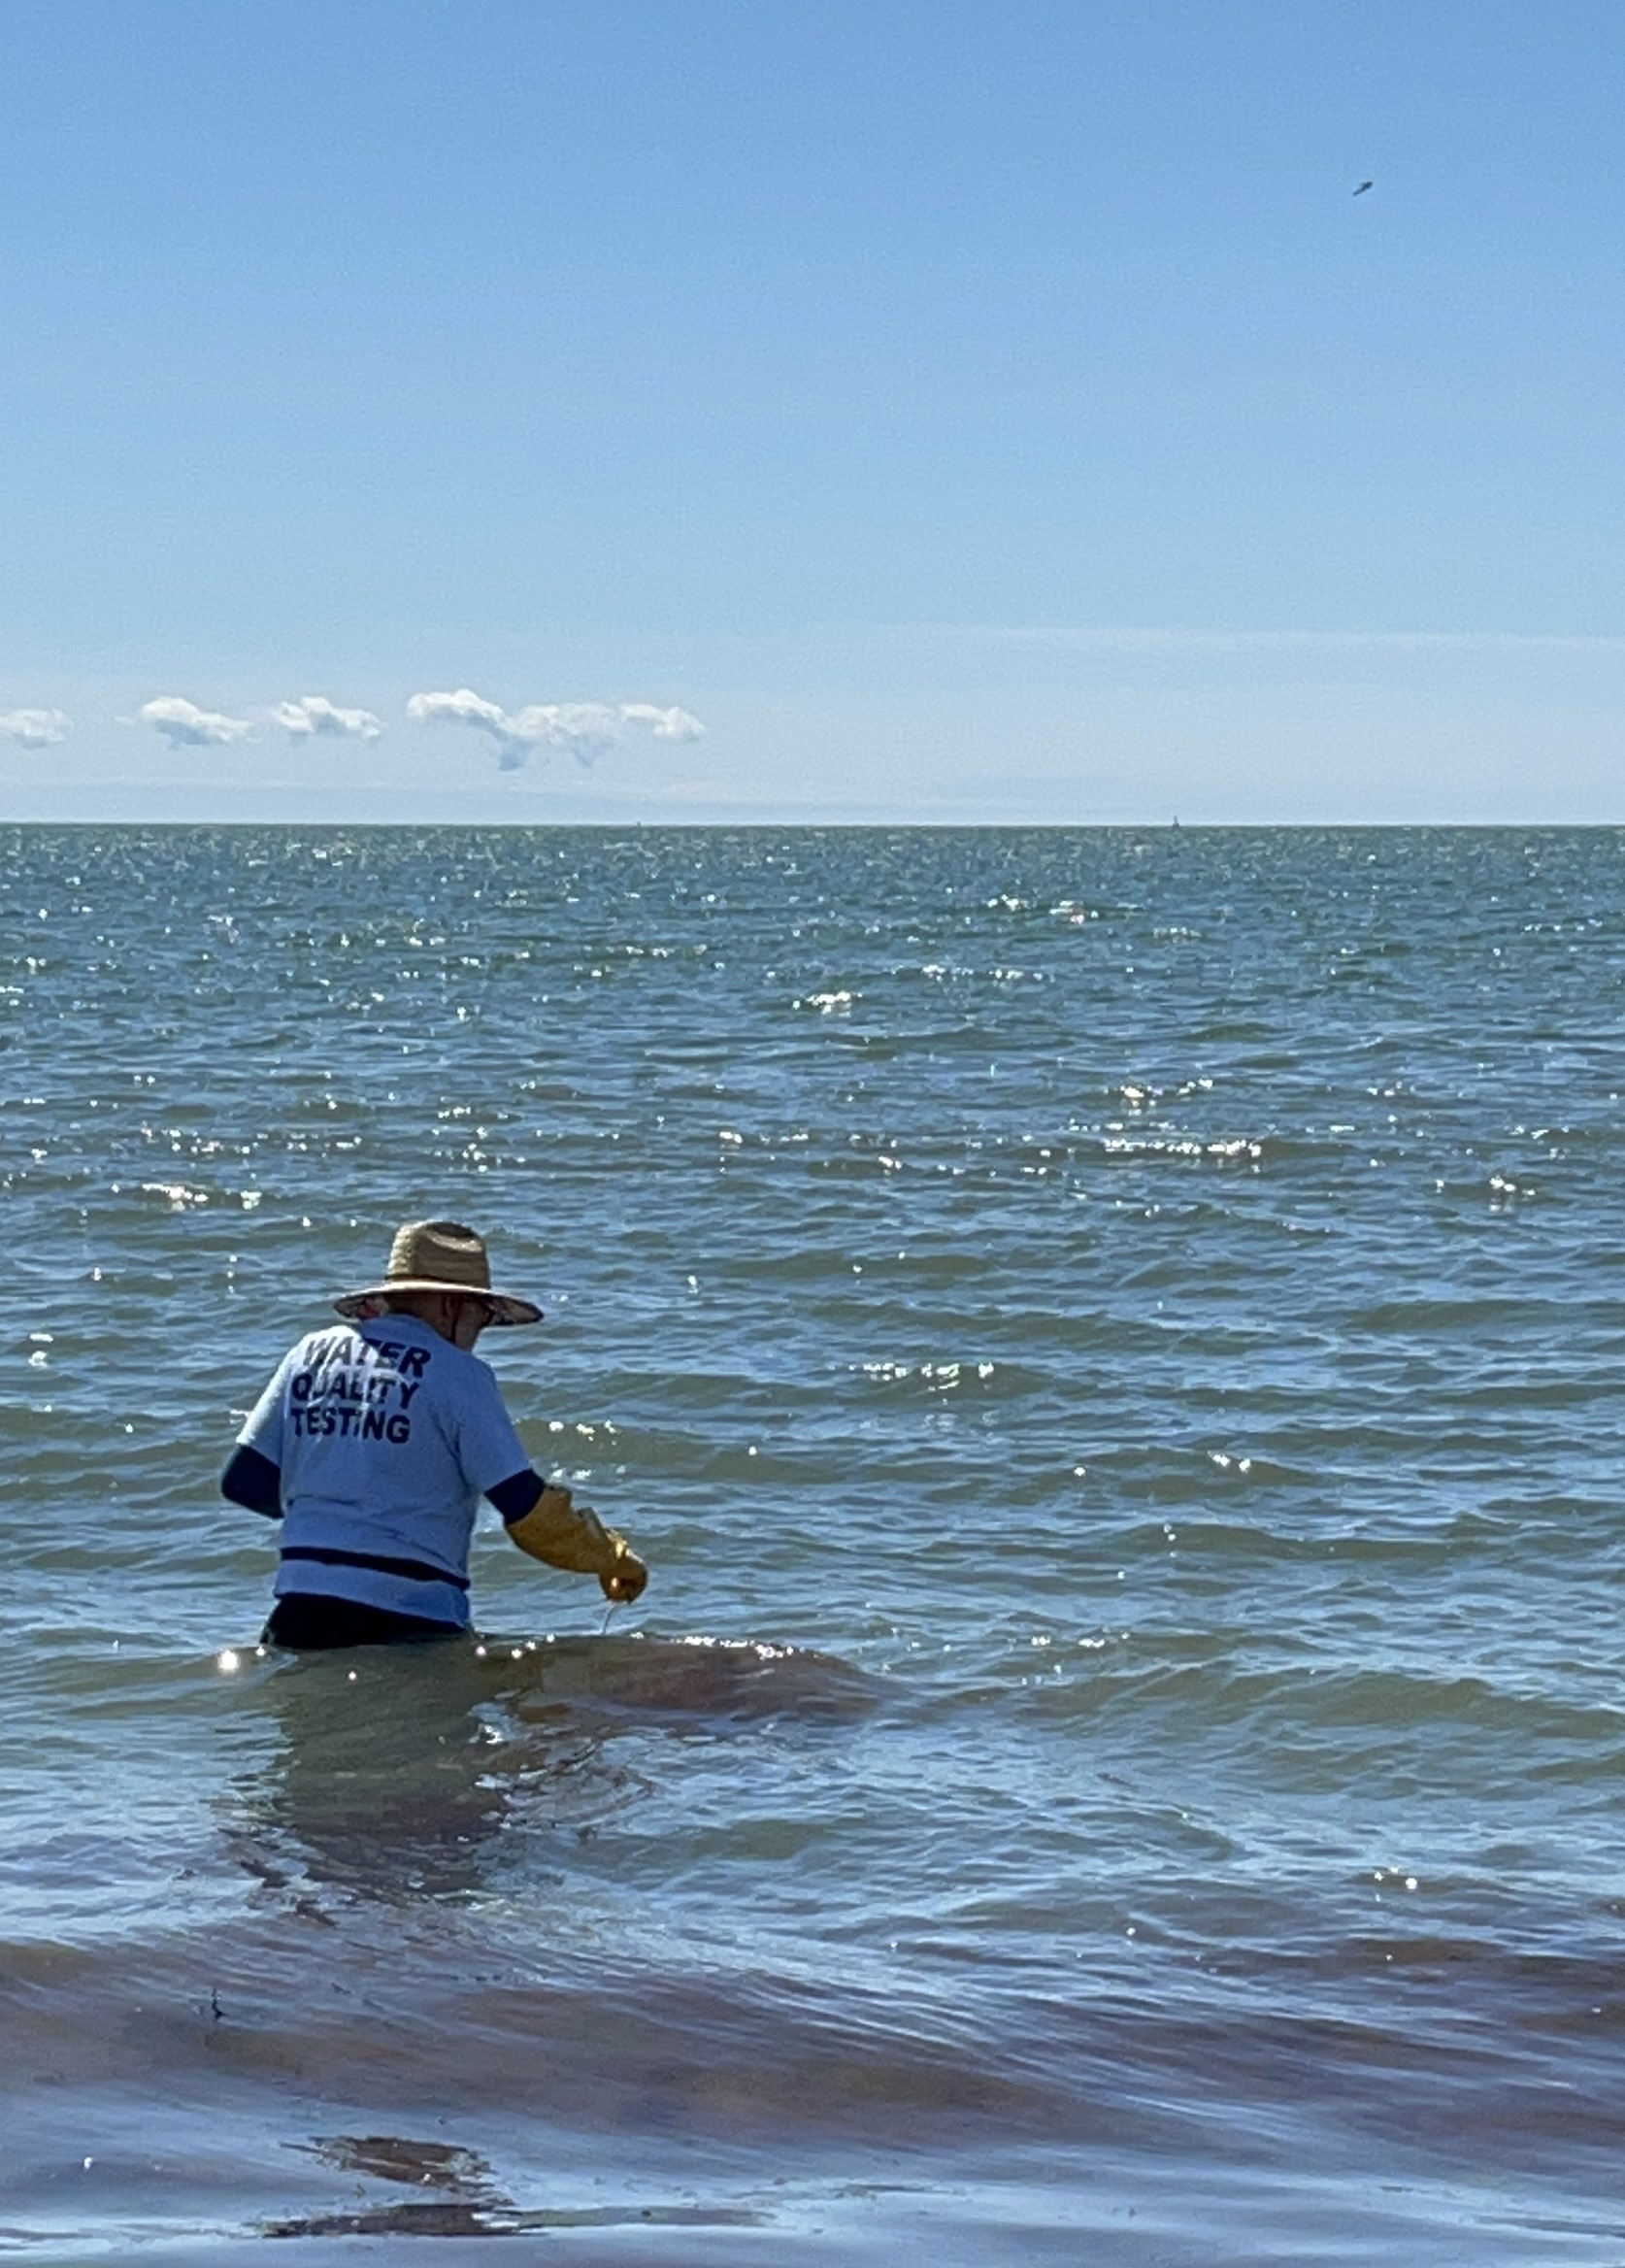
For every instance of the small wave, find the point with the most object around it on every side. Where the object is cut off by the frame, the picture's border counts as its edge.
(711, 1679)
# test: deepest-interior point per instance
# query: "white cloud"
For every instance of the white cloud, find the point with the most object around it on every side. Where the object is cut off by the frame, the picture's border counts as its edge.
(584, 730)
(663, 724)
(185, 725)
(464, 707)
(311, 714)
(468, 708)
(35, 728)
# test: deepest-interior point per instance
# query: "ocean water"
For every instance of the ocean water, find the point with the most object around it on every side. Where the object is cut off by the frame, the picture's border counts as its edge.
(1111, 1344)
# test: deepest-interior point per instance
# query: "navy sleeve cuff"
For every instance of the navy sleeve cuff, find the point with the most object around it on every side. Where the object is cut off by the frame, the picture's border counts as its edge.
(253, 1482)
(517, 1495)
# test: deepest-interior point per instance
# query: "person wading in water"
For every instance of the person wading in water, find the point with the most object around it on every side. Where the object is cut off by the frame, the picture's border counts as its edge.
(374, 1444)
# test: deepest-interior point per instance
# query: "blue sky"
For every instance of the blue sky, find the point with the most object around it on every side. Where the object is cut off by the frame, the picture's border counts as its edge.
(928, 410)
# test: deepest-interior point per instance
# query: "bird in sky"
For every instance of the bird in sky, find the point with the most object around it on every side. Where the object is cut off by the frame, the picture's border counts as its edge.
(1363, 187)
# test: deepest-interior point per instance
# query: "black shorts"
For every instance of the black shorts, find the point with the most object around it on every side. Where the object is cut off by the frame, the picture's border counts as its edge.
(309, 1621)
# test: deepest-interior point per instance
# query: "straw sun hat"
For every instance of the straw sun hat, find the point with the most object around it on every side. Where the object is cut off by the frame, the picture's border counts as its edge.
(440, 1256)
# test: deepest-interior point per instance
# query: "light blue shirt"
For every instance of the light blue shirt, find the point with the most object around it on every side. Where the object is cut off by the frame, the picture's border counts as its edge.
(386, 1436)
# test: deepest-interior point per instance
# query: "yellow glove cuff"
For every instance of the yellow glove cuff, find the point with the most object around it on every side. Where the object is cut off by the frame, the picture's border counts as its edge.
(563, 1534)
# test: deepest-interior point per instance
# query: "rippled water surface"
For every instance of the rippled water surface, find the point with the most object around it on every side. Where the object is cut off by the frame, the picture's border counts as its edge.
(1111, 1344)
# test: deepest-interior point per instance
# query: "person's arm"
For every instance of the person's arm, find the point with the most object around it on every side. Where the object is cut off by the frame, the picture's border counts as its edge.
(253, 1477)
(545, 1522)
(253, 1482)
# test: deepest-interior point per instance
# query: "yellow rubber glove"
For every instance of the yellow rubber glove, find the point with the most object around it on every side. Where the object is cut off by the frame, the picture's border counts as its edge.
(562, 1533)
(626, 1579)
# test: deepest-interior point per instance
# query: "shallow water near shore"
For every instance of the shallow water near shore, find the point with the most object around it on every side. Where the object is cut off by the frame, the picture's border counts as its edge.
(1111, 1345)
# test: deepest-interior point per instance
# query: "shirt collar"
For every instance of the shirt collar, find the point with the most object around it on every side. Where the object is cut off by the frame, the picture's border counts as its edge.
(411, 1328)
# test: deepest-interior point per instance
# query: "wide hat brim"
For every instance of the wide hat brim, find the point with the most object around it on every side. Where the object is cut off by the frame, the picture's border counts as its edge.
(506, 1307)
